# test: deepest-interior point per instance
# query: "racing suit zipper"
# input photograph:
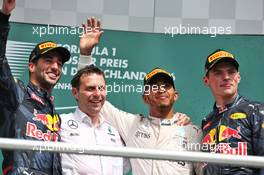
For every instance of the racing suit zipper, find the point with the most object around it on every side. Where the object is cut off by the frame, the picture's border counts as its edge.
(52, 139)
(222, 115)
(156, 144)
(217, 140)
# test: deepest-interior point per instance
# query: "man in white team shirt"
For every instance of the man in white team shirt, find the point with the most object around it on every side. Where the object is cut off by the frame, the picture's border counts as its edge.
(86, 126)
(160, 130)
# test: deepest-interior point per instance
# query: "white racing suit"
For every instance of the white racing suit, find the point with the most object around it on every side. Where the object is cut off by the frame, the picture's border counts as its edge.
(154, 133)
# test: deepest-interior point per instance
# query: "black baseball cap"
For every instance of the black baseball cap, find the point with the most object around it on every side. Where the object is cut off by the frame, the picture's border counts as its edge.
(219, 56)
(47, 46)
(158, 72)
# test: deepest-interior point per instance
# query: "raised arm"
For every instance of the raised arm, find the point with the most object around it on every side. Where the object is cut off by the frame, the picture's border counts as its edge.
(121, 120)
(7, 84)
(8, 6)
(90, 38)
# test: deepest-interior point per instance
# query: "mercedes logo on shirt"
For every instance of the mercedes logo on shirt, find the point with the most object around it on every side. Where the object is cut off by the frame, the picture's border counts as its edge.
(72, 124)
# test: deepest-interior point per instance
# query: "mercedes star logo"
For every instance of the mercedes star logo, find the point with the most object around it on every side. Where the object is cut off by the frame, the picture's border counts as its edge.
(72, 124)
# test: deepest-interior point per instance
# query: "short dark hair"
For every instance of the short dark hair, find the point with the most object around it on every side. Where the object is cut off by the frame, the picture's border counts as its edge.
(75, 82)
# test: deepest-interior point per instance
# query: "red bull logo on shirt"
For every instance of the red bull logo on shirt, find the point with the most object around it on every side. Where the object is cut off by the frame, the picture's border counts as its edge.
(33, 131)
(225, 148)
(210, 138)
(227, 133)
(52, 123)
(224, 134)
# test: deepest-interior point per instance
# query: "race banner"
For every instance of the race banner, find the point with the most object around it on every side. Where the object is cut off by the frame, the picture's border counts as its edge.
(126, 57)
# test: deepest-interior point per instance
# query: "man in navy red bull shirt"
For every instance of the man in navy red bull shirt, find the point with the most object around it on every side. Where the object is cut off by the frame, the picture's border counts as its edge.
(235, 126)
(27, 112)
